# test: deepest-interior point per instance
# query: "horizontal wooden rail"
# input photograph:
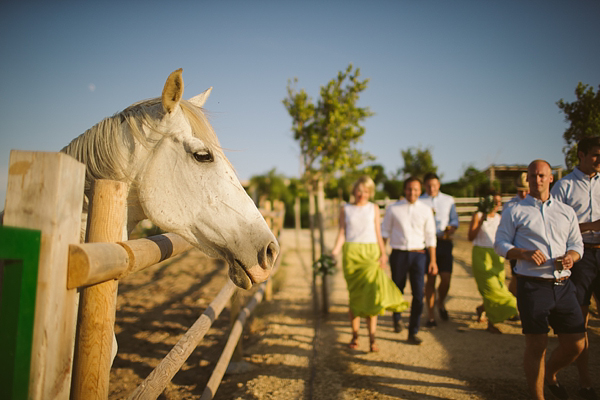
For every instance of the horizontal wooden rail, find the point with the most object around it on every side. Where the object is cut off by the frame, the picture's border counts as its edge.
(158, 379)
(92, 263)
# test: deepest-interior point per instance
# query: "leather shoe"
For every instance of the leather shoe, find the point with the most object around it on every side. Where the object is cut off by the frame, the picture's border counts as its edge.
(443, 314)
(558, 391)
(431, 324)
(414, 339)
(398, 326)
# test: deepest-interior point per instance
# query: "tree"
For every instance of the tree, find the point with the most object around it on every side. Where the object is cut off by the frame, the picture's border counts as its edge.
(328, 132)
(417, 162)
(584, 118)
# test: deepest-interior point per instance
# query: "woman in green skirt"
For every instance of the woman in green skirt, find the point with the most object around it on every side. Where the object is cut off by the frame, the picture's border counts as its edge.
(364, 258)
(499, 303)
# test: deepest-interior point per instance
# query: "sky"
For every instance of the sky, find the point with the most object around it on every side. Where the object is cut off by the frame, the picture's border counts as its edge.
(475, 81)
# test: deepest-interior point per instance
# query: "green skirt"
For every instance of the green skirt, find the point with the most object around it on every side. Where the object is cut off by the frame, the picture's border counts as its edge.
(488, 270)
(371, 290)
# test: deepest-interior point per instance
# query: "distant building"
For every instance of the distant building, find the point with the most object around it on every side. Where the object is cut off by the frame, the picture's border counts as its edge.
(507, 175)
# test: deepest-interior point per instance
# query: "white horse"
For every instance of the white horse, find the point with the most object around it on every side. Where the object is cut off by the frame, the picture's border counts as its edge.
(179, 178)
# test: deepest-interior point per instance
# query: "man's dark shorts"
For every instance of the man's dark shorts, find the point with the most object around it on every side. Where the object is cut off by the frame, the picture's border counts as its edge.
(443, 255)
(585, 274)
(542, 304)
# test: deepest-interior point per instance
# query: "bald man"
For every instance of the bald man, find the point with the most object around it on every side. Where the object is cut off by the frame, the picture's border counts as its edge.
(543, 235)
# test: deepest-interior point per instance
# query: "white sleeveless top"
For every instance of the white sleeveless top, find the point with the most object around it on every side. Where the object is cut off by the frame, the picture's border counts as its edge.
(360, 223)
(487, 234)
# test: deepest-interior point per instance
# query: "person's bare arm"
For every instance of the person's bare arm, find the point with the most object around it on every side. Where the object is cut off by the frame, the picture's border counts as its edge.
(589, 226)
(534, 256)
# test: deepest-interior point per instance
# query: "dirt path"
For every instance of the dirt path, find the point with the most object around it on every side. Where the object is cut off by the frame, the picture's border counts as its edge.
(457, 360)
(296, 356)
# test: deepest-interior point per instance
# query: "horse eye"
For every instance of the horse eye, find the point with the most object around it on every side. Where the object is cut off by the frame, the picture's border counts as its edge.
(203, 157)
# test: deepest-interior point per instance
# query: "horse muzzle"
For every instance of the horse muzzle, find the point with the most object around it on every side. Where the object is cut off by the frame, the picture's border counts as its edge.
(245, 276)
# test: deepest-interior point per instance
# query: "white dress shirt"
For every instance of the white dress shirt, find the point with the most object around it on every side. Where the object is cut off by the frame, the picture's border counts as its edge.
(409, 226)
(549, 226)
(583, 194)
(444, 210)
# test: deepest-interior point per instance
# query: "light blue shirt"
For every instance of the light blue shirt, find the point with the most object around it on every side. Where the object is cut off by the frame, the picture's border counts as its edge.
(444, 211)
(583, 194)
(550, 227)
(515, 200)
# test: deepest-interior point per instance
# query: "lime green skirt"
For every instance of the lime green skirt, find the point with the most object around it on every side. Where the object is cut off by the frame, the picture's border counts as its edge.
(371, 290)
(488, 270)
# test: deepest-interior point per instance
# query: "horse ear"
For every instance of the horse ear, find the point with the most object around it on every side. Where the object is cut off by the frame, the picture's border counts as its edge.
(200, 99)
(173, 91)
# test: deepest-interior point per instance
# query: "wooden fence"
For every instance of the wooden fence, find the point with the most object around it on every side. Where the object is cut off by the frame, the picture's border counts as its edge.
(50, 352)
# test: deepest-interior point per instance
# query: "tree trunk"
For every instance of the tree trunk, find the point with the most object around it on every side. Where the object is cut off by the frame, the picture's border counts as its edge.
(320, 219)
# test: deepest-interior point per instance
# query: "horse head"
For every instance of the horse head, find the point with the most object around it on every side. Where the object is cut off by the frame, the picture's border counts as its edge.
(185, 184)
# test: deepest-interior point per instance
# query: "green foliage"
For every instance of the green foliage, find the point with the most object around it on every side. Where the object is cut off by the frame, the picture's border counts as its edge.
(328, 131)
(486, 204)
(417, 162)
(324, 265)
(274, 186)
(341, 186)
(584, 118)
(472, 183)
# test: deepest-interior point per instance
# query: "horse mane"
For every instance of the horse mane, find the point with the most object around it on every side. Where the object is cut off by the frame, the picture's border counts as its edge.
(104, 148)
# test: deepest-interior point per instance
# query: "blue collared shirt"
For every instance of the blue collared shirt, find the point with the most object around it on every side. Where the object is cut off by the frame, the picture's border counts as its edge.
(550, 227)
(515, 200)
(583, 194)
(444, 211)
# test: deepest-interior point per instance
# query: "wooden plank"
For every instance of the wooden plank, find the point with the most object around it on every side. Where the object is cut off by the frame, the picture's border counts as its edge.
(158, 379)
(19, 256)
(94, 347)
(149, 251)
(93, 263)
(45, 193)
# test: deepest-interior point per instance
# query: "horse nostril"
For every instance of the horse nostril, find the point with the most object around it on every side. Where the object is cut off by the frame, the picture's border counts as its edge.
(268, 256)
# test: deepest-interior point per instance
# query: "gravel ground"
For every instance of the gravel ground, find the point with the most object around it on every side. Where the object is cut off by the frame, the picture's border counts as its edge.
(288, 353)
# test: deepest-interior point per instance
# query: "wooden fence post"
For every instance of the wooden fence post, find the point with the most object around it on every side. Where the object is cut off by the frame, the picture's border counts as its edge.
(45, 192)
(93, 352)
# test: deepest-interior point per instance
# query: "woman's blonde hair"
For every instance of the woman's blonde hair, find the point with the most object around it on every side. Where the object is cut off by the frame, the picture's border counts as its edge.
(367, 183)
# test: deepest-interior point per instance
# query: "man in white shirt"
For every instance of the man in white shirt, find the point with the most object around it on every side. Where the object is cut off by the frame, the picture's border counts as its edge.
(446, 223)
(522, 192)
(409, 226)
(542, 234)
(581, 190)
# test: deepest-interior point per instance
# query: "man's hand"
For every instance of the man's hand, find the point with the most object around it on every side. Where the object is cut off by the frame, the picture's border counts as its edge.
(535, 256)
(432, 269)
(567, 261)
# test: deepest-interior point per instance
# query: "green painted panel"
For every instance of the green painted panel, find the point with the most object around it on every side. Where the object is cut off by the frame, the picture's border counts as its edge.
(19, 258)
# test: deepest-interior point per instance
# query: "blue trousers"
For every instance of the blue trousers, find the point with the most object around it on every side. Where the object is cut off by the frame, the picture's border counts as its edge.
(411, 264)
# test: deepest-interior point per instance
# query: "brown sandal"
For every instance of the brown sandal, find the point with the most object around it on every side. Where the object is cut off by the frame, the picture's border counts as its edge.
(373, 348)
(480, 311)
(354, 342)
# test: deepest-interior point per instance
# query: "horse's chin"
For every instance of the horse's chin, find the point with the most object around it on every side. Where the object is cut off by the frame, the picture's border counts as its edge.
(239, 277)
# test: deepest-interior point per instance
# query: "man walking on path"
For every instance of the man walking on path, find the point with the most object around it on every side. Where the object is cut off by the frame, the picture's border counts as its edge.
(410, 227)
(581, 190)
(542, 234)
(446, 223)
(522, 192)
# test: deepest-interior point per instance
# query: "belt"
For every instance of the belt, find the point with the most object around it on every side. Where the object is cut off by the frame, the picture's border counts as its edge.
(591, 245)
(421, 251)
(540, 279)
